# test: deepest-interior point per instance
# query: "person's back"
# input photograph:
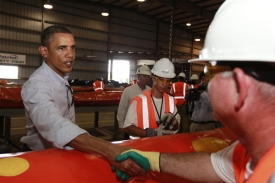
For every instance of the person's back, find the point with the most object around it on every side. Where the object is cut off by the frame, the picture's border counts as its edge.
(178, 90)
(98, 85)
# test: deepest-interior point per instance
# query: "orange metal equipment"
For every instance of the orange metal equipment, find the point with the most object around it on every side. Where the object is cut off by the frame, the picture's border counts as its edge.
(10, 97)
(56, 166)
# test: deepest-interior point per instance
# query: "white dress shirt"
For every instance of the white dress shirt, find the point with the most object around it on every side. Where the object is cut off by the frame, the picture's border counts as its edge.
(49, 113)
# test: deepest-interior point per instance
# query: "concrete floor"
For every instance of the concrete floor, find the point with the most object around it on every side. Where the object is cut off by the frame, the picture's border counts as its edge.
(84, 120)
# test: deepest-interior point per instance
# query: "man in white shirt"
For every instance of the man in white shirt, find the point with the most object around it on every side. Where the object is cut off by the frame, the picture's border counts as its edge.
(239, 56)
(143, 76)
(49, 107)
(203, 117)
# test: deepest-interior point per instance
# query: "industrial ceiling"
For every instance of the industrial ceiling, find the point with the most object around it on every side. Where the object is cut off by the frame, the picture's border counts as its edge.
(197, 12)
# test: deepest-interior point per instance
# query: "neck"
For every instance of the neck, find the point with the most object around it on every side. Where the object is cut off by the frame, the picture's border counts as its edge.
(156, 93)
(259, 138)
(142, 87)
(258, 146)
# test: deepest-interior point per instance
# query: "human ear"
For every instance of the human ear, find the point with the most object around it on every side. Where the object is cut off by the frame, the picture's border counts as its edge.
(43, 51)
(241, 87)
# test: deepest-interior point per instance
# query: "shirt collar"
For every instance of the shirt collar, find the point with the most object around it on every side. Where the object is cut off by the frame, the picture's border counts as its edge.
(55, 77)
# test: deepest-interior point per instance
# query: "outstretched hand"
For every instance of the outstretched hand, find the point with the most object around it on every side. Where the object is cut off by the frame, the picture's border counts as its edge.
(127, 168)
(147, 160)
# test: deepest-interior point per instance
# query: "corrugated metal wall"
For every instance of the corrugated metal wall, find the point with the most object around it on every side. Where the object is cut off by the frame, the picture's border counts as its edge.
(21, 23)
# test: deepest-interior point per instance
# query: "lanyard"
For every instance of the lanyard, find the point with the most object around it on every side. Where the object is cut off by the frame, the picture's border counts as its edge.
(158, 113)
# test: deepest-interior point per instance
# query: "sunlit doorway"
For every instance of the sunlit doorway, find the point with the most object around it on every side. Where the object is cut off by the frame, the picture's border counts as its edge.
(120, 70)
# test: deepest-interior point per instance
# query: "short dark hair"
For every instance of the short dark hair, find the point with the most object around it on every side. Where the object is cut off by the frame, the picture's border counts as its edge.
(48, 33)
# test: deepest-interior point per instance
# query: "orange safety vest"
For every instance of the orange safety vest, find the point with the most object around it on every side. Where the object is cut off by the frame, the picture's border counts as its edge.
(196, 86)
(262, 172)
(145, 109)
(179, 90)
(134, 81)
(98, 86)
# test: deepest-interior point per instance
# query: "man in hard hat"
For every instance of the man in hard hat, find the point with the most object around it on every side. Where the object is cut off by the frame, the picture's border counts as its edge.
(195, 81)
(240, 56)
(178, 90)
(151, 112)
(143, 76)
(98, 85)
(194, 84)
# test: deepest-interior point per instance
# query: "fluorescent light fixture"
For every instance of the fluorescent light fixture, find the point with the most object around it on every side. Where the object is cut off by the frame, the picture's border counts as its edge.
(146, 62)
(105, 14)
(48, 5)
(188, 24)
(197, 39)
(140, 0)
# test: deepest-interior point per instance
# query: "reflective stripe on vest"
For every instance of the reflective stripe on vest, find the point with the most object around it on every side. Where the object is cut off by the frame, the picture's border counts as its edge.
(183, 91)
(98, 85)
(146, 111)
(171, 104)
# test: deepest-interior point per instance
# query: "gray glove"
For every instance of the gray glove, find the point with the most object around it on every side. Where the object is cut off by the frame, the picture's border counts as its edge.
(151, 132)
(161, 131)
(166, 119)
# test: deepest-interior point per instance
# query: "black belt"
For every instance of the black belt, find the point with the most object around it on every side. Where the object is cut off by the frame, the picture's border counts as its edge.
(204, 122)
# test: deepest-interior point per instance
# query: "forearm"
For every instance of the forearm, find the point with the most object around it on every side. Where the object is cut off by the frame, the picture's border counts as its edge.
(191, 166)
(109, 151)
(135, 131)
(90, 145)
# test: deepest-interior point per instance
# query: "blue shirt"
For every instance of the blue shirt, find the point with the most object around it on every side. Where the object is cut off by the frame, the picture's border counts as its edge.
(202, 109)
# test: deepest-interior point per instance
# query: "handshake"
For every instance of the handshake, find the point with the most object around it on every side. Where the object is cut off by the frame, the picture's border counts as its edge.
(166, 126)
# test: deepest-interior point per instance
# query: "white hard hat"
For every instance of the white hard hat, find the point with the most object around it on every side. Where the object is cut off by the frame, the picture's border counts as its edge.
(242, 30)
(181, 75)
(194, 77)
(164, 68)
(144, 70)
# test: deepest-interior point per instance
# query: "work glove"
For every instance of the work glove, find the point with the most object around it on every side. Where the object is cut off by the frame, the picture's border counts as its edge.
(147, 160)
(120, 174)
(152, 132)
(174, 126)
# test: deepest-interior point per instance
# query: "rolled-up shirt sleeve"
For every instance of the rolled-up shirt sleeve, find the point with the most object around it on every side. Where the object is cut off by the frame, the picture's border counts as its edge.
(222, 163)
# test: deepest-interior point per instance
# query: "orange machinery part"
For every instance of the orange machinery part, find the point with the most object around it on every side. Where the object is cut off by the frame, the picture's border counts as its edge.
(55, 165)
(10, 97)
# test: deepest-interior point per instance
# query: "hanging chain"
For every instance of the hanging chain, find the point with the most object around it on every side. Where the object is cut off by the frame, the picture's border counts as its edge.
(171, 33)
